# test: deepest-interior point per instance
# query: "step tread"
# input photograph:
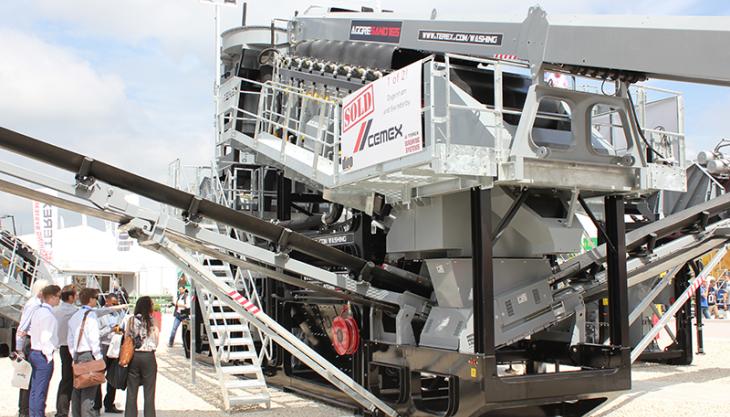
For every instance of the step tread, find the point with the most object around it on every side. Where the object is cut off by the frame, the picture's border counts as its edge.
(250, 399)
(240, 369)
(240, 355)
(245, 383)
(237, 341)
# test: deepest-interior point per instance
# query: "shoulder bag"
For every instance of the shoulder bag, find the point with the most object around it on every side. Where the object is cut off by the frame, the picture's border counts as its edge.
(91, 373)
(126, 352)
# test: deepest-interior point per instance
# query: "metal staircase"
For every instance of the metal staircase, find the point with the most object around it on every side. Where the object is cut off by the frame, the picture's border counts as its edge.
(20, 266)
(240, 306)
(232, 345)
(237, 363)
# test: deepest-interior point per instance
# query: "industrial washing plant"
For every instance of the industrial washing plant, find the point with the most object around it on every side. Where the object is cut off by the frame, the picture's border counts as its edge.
(402, 210)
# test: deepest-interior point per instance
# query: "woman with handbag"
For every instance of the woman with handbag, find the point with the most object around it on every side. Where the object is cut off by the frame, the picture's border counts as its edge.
(143, 366)
(85, 349)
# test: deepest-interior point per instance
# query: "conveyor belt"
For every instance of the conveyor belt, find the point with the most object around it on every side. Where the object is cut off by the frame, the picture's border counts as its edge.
(698, 217)
(88, 168)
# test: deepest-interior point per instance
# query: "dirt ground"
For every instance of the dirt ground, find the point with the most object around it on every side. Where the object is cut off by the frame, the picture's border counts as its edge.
(658, 390)
(696, 390)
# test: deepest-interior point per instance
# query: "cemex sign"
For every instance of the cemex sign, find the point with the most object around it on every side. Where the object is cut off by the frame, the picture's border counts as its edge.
(382, 121)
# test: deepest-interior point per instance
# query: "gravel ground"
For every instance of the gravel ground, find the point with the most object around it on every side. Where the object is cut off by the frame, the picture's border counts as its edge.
(695, 390)
(658, 390)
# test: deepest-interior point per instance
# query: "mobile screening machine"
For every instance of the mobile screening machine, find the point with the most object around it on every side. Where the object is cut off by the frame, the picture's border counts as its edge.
(406, 197)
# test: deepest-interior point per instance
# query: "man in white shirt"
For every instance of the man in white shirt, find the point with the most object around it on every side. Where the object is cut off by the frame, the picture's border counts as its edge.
(109, 319)
(43, 343)
(84, 349)
(21, 347)
(63, 313)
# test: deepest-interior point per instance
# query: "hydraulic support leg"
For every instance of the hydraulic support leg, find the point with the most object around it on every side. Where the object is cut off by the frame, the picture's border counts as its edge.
(483, 282)
(683, 320)
(618, 299)
(678, 303)
(283, 197)
(698, 311)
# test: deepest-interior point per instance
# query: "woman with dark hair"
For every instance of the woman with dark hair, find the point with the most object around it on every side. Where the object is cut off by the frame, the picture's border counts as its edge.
(143, 368)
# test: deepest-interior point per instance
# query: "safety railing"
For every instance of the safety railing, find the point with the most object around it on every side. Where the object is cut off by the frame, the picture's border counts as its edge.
(21, 266)
(296, 116)
(15, 265)
(463, 134)
(668, 143)
(497, 110)
(244, 278)
(654, 107)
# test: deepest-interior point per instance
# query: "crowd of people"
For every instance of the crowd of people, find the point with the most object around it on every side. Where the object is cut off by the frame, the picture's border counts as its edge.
(714, 296)
(70, 321)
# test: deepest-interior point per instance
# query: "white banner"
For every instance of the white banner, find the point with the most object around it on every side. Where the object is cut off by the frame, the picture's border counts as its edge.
(45, 225)
(382, 121)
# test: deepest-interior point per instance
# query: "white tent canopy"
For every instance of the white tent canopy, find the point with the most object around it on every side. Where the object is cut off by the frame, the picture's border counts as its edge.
(87, 251)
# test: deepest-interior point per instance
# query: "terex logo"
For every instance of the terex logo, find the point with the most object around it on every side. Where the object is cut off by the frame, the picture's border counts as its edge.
(377, 138)
(362, 106)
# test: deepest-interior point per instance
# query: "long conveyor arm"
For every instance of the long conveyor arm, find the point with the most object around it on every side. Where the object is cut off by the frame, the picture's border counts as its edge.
(604, 46)
(648, 236)
(88, 168)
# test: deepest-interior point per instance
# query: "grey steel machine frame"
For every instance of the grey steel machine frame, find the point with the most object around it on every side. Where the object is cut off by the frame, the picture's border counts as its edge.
(475, 387)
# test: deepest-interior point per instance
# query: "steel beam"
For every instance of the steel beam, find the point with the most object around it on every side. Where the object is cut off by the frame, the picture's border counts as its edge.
(678, 303)
(648, 298)
(618, 292)
(483, 277)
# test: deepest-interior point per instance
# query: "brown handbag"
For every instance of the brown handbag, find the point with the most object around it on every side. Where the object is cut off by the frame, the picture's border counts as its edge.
(126, 352)
(91, 373)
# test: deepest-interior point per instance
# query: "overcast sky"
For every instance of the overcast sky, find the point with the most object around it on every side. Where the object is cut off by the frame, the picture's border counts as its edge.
(130, 82)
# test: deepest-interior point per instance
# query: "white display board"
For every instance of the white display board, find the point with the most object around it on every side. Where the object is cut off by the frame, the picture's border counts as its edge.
(382, 121)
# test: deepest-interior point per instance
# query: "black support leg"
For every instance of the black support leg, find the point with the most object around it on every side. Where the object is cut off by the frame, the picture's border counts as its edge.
(697, 268)
(618, 300)
(283, 197)
(684, 320)
(483, 283)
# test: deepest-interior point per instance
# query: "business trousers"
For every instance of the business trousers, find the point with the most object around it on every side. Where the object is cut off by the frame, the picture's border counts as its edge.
(142, 371)
(40, 377)
(66, 385)
(111, 392)
(82, 400)
(24, 395)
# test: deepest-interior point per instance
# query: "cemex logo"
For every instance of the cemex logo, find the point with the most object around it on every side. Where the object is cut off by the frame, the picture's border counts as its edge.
(375, 31)
(361, 107)
(377, 138)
